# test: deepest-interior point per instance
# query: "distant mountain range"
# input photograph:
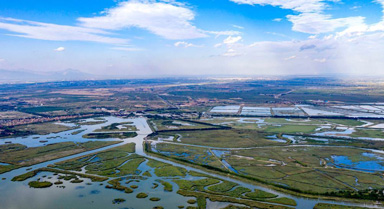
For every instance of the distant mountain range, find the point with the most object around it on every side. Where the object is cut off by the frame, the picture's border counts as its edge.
(14, 76)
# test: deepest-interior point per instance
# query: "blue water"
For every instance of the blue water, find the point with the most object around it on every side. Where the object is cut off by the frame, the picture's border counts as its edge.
(274, 138)
(3, 163)
(229, 166)
(220, 153)
(368, 166)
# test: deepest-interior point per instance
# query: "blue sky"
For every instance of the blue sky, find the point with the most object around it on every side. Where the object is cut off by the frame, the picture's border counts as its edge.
(211, 37)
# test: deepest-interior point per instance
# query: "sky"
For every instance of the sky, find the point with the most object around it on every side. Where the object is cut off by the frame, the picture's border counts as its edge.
(194, 37)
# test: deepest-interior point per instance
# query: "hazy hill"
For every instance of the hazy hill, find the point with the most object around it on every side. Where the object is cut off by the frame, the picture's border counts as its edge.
(18, 76)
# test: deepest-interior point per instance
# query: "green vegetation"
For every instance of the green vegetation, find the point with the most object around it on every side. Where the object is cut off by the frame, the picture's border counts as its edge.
(345, 122)
(333, 206)
(115, 167)
(39, 184)
(118, 201)
(43, 128)
(130, 167)
(188, 153)
(197, 184)
(197, 174)
(162, 124)
(33, 173)
(222, 187)
(156, 164)
(371, 133)
(154, 199)
(76, 181)
(77, 132)
(166, 171)
(284, 201)
(236, 207)
(19, 155)
(147, 173)
(142, 195)
(293, 168)
(220, 198)
(290, 129)
(167, 186)
(191, 201)
(259, 194)
(224, 138)
(117, 186)
(117, 127)
(26, 176)
(102, 161)
(118, 135)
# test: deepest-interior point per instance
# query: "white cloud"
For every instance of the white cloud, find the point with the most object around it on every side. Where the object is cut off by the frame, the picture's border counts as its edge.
(223, 33)
(329, 54)
(355, 8)
(184, 44)
(218, 45)
(167, 19)
(231, 42)
(232, 39)
(290, 58)
(54, 32)
(60, 49)
(323, 60)
(296, 5)
(231, 53)
(238, 26)
(277, 19)
(380, 25)
(311, 18)
(316, 23)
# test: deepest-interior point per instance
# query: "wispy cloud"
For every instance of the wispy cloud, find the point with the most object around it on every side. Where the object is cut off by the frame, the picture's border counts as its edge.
(60, 49)
(238, 27)
(231, 53)
(231, 43)
(322, 60)
(317, 23)
(167, 19)
(355, 8)
(311, 18)
(184, 44)
(297, 5)
(290, 58)
(54, 32)
(223, 33)
(232, 39)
